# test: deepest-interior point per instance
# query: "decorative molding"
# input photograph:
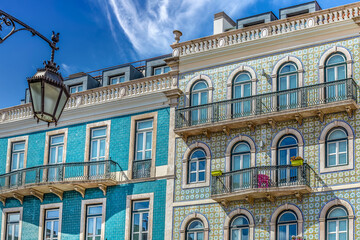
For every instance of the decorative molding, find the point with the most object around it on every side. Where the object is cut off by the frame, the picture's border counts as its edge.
(57, 192)
(80, 190)
(188, 219)
(327, 207)
(281, 209)
(237, 212)
(185, 165)
(266, 30)
(37, 194)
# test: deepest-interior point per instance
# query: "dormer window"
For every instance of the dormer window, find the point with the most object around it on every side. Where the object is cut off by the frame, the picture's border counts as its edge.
(117, 79)
(76, 88)
(161, 70)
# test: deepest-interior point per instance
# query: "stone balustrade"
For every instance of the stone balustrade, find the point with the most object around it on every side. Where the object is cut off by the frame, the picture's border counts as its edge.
(273, 28)
(133, 88)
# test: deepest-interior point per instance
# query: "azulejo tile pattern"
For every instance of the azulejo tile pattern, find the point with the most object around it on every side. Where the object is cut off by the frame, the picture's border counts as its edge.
(310, 130)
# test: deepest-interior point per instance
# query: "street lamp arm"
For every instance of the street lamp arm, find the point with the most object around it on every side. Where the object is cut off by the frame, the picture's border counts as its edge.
(10, 21)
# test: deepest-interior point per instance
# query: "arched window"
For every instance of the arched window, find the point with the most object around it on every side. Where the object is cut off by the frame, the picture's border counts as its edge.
(337, 148)
(199, 96)
(195, 230)
(335, 69)
(241, 89)
(240, 160)
(337, 224)
(197, 166)
(287, 80)
(286, 225)
(287, 148)
(239, 228)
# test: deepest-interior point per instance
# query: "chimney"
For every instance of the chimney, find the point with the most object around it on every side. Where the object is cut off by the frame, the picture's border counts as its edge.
(222, 23)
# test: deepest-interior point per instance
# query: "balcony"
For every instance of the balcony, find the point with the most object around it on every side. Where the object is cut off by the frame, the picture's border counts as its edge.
(293, 104)
(141, 168)
(262, 182)
(58, 178)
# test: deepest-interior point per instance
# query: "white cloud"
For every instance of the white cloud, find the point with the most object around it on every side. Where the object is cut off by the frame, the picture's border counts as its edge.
(148, 24)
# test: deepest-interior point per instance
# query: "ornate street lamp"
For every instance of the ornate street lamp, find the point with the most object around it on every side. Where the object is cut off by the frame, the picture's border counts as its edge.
(48, 93)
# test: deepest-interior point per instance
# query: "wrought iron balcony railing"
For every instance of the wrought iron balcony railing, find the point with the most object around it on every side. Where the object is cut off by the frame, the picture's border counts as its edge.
(268, 103)
(74, 172)
(141, 168)
(261, 178)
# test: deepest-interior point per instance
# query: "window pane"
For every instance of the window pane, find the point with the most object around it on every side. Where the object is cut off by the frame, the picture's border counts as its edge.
(282, 233)
(342, 147)
(140, 141)
(201, 176)
(332, 147)
(90, 226)
(98, 225)
(114, 81)
(80, 88)
(245, 234)
(342, 225)
(135, 236)
(193, 177)
(94, 149)
(283, 84)
(204, 97)
(99, 132)
(332, 226)
(342, 158)
(246, 161)
(73, 90)
(52, 155)
(157, 71)
(337, 134)
(293, 152)
(292, 230)
(287, 217)
(241, 148)
(283, 157)
(56, 228)
(148, 140)
(200, 236)
(198, 154)
(60, 154)
(343, 236)
(332, 236)
(145, 221)
(330, 75)
(57, 139)
(293, 81)
(332, 160)
(122, 79)
(141, 205)
(166, 69)
(136, 222)
(337, 212)
(247, 90)
(19, 146)
(102, 148)
(14, 217)
(145, 124)
(341, 72)
(202, 165)
(192, 166)
(95, 210)
(235, 234)
(52, 214)
(148, 154)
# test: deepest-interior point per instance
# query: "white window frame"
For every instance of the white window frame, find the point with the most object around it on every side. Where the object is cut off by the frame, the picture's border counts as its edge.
(337, 150)
(76, 87)
(144, 132)
(89, 127)
(9, 151)
(130, 199)
(42, 226)
(132, 144)
(97, 140)
(141, 213)
(118, 77)
(5, 213)
(94, 217)
(197, 171)
(84, 207)
(162, 69)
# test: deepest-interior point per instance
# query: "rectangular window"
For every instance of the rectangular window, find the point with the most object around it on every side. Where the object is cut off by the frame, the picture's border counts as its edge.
(140, 220)
(12, 226)
(93, 222)
(143, 153)
(17, 160)
(51, 223)
(97, 150)
(56, 153)
(117, 79)
(161, 70)
(76, 88)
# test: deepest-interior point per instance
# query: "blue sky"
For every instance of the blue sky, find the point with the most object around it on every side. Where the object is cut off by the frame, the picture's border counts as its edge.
(96, 34)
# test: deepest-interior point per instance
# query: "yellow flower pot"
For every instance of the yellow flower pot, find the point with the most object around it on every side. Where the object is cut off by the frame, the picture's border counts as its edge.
(216, 173)
(297, 162)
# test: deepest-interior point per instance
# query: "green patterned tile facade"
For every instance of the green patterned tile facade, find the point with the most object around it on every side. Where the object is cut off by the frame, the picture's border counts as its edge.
(310, 130)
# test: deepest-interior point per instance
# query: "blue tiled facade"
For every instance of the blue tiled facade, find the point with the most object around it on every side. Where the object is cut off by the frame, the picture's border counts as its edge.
(115, 195)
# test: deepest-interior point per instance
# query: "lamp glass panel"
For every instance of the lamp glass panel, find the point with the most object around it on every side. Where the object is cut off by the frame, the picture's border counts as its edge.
(51, 95)
(62, 102)
(35, 89)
